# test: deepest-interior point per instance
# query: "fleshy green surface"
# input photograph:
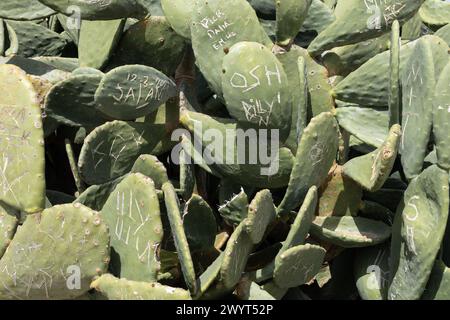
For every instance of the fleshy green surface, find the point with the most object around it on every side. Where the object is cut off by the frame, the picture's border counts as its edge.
(417, 233)
(22, 157)
(51, 250)
(133, 91)
(350, 232)
(133, 216)
(122, 289)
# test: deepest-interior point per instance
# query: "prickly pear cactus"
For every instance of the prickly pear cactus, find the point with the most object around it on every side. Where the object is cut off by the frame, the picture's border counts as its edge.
(55, 254)
(133, 216)
(233, 150)
(22, 159)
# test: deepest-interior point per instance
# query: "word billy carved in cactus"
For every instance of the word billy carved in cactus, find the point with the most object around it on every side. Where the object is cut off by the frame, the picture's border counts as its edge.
(255, 108)
(234, 146)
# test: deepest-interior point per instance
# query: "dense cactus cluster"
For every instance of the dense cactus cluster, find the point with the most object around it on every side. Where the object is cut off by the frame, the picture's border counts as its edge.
(224, 149)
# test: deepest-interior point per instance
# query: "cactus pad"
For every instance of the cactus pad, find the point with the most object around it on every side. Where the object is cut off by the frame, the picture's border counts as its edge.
(350, 232)
(179, 235)
(441, 118)
(55, 254)
(315, 155)
(372, 170)
(8, 226)
(133, 217)
(420, 220)
(110, 150)
(130, 92)
(122, 289)
(21, 142)
(199, 224)
(298, 265)
(151, 167)
(254, 86)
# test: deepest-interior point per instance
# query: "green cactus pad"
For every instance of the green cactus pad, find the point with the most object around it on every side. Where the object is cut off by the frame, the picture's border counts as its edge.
(88, 10)
(359, 21)
(258, 174)
(61, 63)
(133, 217)
(95, 196)
(252, 291)
(339, 195)
(179, 235)
(236, 254)
(444, 33)
(290, 15)
(216, 26)
(87, 71)
(319, 17)
(122, 289)
(435, 12)
(302, 223)
(29, 39)
(412, 29)
(274, 290)
(51, 250)
(178, 13)
(320, 91)
(3, 36)
(24, 10)
(345, 59)
(133, 91)
(199, 224)
(417, 233)
(21, 142)
(297, 78)
(151, 167)
(298, 265)
(261, 212)
(315, 155)
(372, 170)
(150, 42)
(371, 269)
(187, 175)
(255, 88)
(350, 232)
(8, 226)
(194, 155)
(394, 79)
(441, 118)
(418, 84)
(210, 275)
(438, 286)
(97, 42)
(111, 149)
(235, 210)
(71, 101)
(369, 84)
(368, 125)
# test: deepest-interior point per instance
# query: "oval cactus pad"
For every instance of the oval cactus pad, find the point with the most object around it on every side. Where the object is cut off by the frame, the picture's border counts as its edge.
(133, 91)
